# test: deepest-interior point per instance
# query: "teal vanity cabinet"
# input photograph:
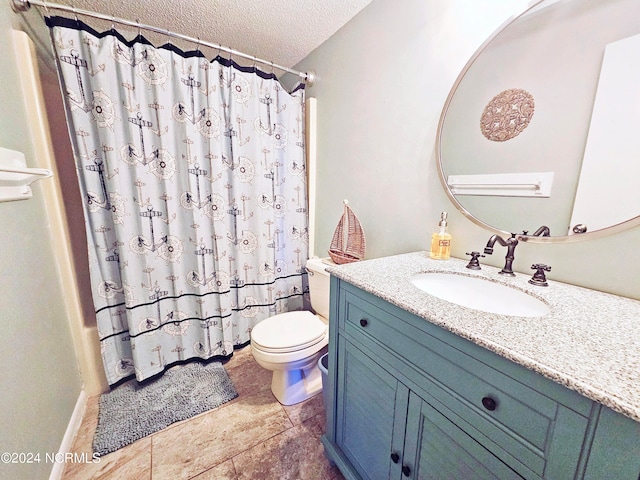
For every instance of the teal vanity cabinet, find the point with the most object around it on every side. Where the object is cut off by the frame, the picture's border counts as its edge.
(411, 400)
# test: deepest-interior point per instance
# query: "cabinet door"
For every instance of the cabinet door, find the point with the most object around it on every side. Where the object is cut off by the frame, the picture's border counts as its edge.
(371, 414)
(615, 452)
(436, 449)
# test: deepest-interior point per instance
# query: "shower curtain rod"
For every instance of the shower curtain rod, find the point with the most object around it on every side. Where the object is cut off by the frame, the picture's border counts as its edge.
(24, 5)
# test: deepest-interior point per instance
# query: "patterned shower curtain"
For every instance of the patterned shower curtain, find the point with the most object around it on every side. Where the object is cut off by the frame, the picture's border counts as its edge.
(194, 186)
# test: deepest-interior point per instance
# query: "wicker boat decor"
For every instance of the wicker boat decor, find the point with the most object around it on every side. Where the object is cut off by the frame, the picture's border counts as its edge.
(348, 243)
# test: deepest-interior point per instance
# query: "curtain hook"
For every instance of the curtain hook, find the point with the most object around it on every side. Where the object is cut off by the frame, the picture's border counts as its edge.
(113, 23)
(139, 28)
(46, 7)
(75, 13)
(198, 47)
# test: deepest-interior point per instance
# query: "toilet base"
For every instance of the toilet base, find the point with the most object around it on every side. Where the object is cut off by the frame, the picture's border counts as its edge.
(295, 386)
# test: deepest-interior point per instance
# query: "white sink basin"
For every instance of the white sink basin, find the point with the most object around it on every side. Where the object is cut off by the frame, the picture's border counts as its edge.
(480, 294)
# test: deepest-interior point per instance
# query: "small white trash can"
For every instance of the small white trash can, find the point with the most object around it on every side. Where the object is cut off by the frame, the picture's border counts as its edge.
(323, 365)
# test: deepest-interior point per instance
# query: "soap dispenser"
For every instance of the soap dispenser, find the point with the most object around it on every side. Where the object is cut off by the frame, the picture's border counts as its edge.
(441, 240)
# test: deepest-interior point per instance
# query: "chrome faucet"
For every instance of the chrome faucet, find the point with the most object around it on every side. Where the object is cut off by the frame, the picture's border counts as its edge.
(511, 244)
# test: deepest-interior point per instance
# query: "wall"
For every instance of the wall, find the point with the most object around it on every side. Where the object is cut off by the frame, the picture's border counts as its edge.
(382, 82)
(40, 381)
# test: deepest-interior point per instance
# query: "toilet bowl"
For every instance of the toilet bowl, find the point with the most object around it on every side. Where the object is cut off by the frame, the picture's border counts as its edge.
(290, 344)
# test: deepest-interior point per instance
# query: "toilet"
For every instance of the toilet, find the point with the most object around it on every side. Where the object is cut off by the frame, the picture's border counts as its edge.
(291, 343)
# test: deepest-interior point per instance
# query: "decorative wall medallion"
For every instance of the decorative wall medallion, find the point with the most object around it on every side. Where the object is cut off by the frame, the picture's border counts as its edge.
(507, 115)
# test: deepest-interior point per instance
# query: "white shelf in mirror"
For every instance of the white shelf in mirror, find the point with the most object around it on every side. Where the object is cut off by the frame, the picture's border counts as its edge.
(503, 184)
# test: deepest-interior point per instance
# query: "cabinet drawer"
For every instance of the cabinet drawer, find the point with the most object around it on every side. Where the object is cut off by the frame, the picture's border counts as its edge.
(496, 408)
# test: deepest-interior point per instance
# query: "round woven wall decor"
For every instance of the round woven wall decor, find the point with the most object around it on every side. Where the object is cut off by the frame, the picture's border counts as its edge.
(507, 115)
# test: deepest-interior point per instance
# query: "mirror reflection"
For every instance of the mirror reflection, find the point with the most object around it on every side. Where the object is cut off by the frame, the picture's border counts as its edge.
(540, 128)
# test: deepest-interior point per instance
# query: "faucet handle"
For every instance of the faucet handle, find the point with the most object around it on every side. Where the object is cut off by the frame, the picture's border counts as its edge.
(474, 264)
(539, 277)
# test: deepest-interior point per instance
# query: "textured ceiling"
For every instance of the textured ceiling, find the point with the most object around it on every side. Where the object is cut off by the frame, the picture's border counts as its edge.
(280, 31)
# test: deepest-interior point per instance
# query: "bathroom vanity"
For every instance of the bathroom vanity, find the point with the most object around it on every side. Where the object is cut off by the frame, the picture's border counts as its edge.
(424, 388)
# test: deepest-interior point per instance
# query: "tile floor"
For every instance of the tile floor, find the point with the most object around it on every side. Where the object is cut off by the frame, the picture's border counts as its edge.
(251, 437)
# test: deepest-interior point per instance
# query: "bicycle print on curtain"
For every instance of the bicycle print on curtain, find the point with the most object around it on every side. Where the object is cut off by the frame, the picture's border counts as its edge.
(194, 185)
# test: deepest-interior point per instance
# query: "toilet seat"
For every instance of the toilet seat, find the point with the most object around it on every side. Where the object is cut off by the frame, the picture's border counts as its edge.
(288, 332)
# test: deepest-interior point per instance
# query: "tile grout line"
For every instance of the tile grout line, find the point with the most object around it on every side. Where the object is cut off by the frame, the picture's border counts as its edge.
(151, 458)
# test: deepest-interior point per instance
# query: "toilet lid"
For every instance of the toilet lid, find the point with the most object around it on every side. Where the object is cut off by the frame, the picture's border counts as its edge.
(288, 332)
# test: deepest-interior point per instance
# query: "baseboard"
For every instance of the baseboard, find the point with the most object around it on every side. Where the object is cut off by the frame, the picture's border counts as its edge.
(72, 428)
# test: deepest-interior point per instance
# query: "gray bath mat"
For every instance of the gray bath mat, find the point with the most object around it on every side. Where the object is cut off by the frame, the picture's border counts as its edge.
(132, 411)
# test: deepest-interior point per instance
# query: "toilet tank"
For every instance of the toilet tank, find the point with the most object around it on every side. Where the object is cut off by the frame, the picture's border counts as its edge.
(319, 286)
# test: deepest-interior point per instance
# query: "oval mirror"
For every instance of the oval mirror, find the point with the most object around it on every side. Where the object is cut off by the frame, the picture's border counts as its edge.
(541, 126)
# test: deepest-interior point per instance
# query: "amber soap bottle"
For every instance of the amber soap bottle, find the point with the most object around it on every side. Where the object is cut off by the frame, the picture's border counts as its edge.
(441, 240)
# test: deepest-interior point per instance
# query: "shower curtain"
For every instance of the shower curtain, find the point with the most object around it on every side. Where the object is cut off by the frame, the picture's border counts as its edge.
(194, 188)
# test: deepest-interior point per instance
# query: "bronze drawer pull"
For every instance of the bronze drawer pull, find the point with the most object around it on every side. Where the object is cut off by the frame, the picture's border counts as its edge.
(489, 403)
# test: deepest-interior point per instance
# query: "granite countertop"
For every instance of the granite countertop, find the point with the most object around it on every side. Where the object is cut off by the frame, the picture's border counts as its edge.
(589, 342)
